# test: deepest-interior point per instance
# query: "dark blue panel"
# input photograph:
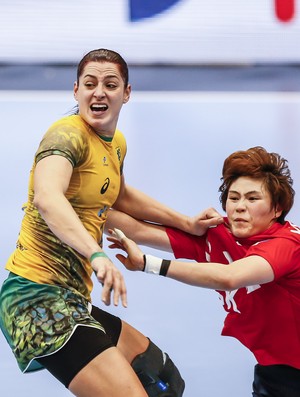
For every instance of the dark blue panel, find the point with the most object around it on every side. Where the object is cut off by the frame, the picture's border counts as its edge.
(141, 9)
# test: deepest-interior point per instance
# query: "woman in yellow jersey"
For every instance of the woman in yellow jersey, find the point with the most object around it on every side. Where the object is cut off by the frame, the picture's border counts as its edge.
(46, 312)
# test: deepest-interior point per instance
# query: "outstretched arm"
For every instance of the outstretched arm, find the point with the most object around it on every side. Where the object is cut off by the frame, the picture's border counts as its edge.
(153, 235)
(244, 272)
(144, 233)
(143, 207)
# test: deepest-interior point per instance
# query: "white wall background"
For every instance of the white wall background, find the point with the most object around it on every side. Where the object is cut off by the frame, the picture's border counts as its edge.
(176, 146)
(191, 31)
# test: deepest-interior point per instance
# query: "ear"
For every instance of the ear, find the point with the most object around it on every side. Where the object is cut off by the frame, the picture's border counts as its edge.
(75, 90)
(127, 94)
(278, 212)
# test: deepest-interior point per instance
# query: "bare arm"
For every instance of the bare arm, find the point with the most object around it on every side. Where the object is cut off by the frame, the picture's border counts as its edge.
(142, 207)
(141, 232)
(241, 273)
(51, 180)
(244, 272)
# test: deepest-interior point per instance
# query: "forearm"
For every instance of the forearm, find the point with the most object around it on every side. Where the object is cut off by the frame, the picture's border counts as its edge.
(211, 276)
(65, 224)
(249, 271)
(143, 207)
(141, 232)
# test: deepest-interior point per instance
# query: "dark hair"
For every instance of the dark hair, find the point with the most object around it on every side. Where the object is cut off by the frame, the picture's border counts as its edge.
(104, 55)
(257, 163)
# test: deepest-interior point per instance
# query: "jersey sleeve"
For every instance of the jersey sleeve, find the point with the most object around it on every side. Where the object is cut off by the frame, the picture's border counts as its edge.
(282, 254)
(186, 246)
(66, 139)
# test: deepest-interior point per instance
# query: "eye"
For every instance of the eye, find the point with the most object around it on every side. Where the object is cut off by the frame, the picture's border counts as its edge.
(112, 86)
(253, 198)
(233, 198)
(89, 84)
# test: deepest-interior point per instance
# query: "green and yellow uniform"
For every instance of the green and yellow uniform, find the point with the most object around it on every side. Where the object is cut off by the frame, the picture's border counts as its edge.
(48, 290)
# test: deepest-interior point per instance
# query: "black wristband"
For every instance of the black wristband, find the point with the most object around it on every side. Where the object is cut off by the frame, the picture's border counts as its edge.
(164, 267)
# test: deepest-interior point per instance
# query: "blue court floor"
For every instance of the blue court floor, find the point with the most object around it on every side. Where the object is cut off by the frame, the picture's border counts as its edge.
(177, 142)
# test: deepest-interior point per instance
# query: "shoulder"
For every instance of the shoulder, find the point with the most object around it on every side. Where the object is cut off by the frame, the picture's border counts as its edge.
(286, 231)
(69, 136)
(70, 126)
(119, 138)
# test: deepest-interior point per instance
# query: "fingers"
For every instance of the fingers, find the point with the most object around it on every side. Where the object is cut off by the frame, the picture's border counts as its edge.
(211, 213)
(119, 234)
(117, 238)
(107, 285)
(199, 224)
(212, 221)
(134, 260)
(115, 244)
(120, 292)
(112, 281)
(114, 284)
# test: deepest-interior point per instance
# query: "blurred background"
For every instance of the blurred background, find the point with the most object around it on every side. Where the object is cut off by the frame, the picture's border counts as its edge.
(208, 78)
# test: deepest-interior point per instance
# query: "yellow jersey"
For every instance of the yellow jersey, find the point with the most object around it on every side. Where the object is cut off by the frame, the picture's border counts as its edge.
(94, 187)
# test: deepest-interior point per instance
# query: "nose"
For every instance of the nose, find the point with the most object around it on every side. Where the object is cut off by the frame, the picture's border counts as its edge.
(99, 91)
(240, 206)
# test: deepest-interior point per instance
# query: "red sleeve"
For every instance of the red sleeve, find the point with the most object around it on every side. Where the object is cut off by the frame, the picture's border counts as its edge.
(187, 246)
(281, 253)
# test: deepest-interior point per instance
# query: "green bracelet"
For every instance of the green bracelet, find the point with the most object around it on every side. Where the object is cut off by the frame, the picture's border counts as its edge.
(98, 254)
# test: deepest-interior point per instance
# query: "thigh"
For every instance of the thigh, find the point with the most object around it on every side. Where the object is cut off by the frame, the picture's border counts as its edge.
(128, 339)
(82, 347)
(131, 342)
(108, 374)
(276, 381)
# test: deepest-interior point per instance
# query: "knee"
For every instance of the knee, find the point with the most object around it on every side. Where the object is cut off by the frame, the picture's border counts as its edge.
(158, 374)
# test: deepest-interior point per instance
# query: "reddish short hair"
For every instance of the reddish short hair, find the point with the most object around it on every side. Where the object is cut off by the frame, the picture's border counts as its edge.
(257, 163)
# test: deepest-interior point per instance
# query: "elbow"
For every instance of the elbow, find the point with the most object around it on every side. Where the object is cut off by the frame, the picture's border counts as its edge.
(41, 202)
(37, 202)
(229, 283)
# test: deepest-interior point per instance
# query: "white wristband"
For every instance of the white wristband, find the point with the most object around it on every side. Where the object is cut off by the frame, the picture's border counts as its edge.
(152, 264)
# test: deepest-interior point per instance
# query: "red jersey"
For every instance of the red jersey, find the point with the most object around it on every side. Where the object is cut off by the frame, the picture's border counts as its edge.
(265, 318)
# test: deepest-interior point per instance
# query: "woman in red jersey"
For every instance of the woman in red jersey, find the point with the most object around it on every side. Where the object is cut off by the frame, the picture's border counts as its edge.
(252, 259)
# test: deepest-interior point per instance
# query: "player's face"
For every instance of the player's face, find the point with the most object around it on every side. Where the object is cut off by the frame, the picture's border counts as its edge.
(249, 208)
(100, 95)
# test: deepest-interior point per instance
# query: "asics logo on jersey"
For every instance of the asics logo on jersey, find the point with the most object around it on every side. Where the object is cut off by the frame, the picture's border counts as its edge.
(105, 186)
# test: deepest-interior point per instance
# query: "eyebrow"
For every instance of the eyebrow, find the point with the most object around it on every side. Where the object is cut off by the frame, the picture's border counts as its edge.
(106, 77)
(247, 193)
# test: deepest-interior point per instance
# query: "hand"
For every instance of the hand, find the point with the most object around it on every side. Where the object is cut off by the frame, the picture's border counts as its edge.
(135, 257)
(111, 279)
(199, 224)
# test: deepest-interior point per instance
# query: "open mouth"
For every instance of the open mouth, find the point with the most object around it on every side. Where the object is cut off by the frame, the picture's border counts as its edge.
(99, 108)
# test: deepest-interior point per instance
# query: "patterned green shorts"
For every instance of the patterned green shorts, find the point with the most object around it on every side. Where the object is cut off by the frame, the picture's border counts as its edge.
(38, 319)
